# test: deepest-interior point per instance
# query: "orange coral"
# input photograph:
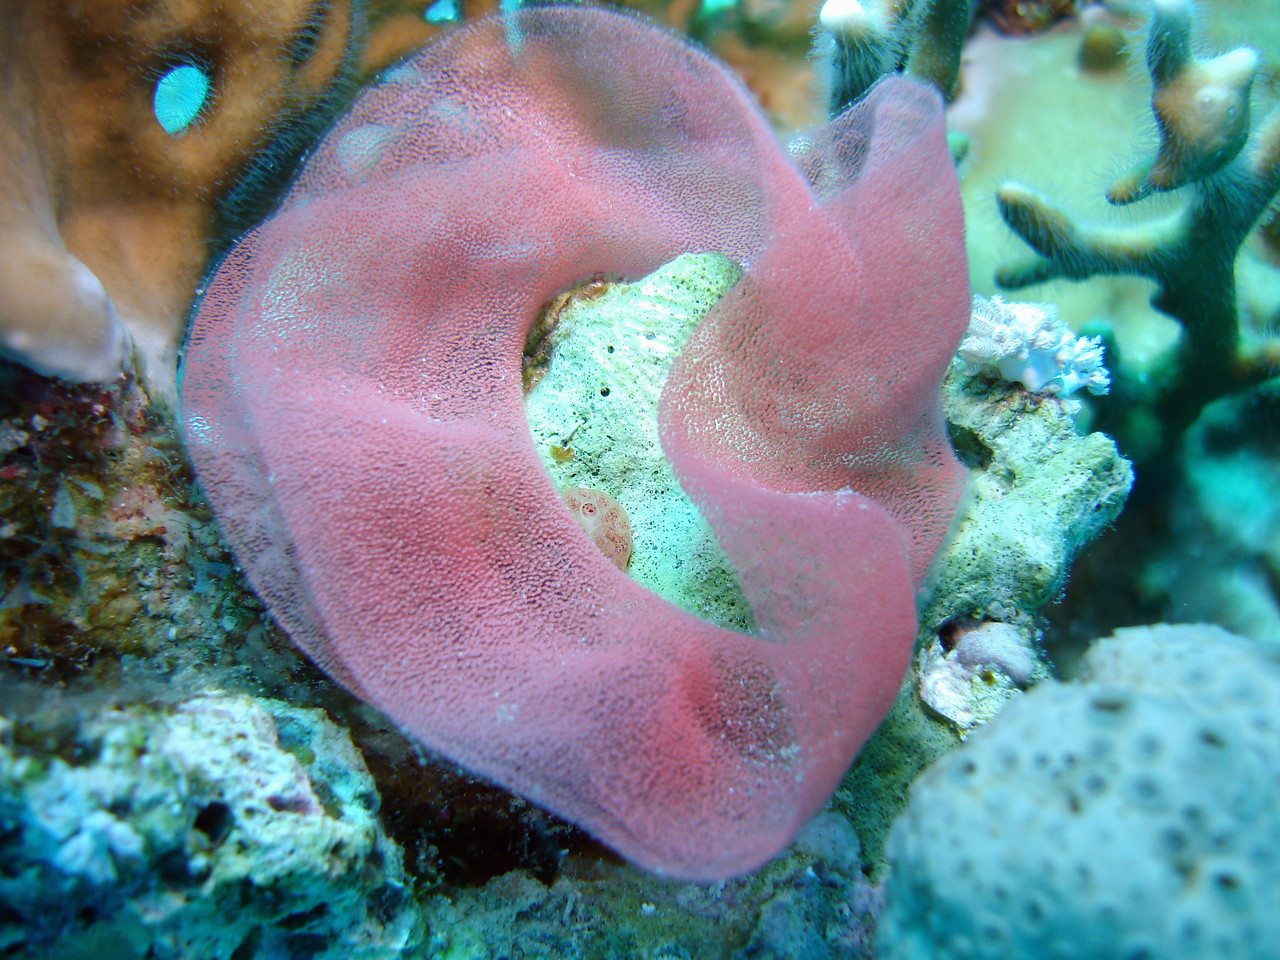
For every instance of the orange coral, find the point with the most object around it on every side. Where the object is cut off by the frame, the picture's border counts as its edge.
(91, 180)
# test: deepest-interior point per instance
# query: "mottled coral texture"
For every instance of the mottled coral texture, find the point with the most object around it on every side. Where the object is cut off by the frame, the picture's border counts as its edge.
(353, 404)
(603, 520)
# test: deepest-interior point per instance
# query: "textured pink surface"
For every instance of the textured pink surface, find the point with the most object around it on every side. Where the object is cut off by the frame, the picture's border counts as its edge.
(353, 404)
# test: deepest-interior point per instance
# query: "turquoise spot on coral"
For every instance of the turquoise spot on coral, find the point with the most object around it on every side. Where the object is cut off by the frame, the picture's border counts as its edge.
(442, 11)
(180, 94)
(712, 7)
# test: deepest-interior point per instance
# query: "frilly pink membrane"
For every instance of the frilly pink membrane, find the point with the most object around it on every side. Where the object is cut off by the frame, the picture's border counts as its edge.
(352, 401)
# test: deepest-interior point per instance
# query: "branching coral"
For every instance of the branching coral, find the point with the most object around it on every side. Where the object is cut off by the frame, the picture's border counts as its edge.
(858, 43)
(1202, 111)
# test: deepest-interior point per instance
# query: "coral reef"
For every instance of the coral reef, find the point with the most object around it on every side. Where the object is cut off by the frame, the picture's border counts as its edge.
(104, 546)
(749, 735)
(216, 826)
(107, 218)
(1202, 112)
(159, 796)
(492, 872)
(1128, 814)
(1039, 493)
(1168, 558)
(812, 902)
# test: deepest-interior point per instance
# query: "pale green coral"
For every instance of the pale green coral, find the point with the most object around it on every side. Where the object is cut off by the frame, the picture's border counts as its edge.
(596, 406)
(1039, 492)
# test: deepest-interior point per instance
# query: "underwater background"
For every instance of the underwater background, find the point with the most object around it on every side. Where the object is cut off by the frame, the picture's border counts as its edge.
(667, 480)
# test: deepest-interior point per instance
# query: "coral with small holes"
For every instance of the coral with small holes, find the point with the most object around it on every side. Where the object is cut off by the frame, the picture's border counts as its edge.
(1127, 816)
(603, 520)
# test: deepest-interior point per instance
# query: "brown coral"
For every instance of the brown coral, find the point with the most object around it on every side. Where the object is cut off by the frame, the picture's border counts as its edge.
(107, 220)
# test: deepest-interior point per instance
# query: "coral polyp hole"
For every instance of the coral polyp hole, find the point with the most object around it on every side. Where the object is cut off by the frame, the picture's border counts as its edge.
(180, 96)
(214, 820)
(442, 11)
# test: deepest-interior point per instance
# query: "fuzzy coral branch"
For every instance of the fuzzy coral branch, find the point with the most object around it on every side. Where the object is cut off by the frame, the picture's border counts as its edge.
(1201, 107)
(859, 42)
(1071, 250)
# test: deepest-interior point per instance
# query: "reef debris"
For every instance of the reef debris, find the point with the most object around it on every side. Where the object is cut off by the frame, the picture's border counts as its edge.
(214, 826)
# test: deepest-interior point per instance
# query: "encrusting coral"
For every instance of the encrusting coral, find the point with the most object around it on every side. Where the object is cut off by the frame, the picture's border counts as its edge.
(212, 826)
(603, 520)
(107, 218)
(1202, 111)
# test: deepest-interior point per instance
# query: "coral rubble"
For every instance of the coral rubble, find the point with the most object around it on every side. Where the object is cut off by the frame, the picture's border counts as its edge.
(211, 827)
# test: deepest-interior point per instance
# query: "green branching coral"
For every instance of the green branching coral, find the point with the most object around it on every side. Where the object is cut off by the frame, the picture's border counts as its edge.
(1201, 108)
